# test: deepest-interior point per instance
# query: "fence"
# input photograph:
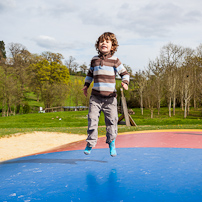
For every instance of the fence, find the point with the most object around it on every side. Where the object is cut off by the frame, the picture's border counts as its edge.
(68, 108)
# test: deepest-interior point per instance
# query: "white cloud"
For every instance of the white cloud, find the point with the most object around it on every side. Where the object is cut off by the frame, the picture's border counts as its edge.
(45, 41)
(7, 4)
(72, 27)
(155, 19)
(55, 8)
(51, 43)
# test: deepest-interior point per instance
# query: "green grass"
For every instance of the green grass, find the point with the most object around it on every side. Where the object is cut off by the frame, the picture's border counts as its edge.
(76, 122)
(194, 117)
(46, 120)
(32, 100)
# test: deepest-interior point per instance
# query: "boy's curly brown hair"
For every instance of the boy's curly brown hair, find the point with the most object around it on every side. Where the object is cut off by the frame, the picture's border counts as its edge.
(107, 36)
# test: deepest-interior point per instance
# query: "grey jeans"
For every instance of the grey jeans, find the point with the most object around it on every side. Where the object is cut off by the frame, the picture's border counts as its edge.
(109, 107)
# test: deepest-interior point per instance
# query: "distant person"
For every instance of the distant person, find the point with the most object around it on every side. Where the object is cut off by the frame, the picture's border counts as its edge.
(103, 71)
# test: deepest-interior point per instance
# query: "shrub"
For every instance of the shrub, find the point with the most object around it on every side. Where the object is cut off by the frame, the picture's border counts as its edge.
(26, 108)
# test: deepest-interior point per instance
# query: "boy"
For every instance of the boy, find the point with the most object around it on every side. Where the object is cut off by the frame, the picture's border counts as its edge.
(103, 97)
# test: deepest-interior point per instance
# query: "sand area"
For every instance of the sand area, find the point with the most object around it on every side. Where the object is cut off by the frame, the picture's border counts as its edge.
(19, 145)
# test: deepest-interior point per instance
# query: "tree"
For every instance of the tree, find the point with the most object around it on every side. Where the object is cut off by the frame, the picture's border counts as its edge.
(140, 82)
(71, 65)
(199, 79)
(128, 68)
(33, 83)
(17, 63)
(150, 92)
(155, 68)
(2, 50)
(78, 95)
(53, 57)
(50, 78)
(8, 89)
(83, 68)
(38, 74)
(171, 58)
(199, 51)
(187, 85)
(198, 73)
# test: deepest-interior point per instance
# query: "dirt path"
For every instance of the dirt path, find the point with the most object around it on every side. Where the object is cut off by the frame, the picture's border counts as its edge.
(20, 145)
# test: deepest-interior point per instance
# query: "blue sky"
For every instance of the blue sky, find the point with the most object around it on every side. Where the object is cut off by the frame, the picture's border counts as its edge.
(71, 27)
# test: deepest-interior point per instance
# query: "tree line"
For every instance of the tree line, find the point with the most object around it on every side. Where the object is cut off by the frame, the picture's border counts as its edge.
(45, 75)
(173, 79)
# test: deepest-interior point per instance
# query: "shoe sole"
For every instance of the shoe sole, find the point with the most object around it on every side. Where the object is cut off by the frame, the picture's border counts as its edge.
(86, 153)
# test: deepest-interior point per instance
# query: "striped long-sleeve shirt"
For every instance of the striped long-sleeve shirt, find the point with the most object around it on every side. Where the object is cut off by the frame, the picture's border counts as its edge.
(103, 71)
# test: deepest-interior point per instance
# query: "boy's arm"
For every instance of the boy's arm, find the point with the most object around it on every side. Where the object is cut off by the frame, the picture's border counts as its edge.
(125, 76)
(85, 90)
(88, 80)
(125, 86)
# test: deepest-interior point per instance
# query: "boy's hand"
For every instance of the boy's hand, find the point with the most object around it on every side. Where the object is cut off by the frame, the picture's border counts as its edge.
(85, 89)
(125, 86)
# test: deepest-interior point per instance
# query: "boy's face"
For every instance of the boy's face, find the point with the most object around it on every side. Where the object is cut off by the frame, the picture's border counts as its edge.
(105, 46)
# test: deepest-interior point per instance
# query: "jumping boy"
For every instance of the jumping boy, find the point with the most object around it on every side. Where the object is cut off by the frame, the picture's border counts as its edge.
(103, 71)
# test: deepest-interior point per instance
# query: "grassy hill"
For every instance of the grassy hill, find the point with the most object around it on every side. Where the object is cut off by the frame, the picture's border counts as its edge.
(76, 122)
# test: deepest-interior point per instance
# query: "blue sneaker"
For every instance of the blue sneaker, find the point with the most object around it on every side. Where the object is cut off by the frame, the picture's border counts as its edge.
(87, 150)
(112, 148)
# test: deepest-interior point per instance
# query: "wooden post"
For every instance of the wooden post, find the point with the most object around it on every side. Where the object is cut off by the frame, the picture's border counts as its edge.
(128, 118)
(125, 108)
